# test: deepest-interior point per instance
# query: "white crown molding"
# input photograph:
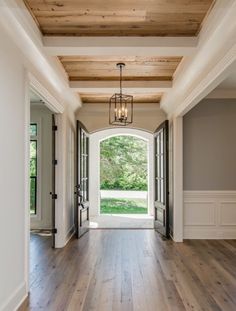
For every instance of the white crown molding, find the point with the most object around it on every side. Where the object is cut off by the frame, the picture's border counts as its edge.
(128, 86)
(22, 29)
(209, 64)
(51, 102)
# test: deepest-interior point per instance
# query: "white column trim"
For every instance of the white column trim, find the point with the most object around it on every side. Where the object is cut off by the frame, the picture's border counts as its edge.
(178, 179)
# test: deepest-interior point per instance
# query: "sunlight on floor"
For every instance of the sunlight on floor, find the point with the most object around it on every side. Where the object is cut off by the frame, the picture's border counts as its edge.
(122, 221)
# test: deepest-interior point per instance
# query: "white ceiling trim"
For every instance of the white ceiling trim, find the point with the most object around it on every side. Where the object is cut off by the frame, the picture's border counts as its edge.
(212, 79)
(210, 63)
(128, 86)
(50, 101)
(21, 27)
(120, 46)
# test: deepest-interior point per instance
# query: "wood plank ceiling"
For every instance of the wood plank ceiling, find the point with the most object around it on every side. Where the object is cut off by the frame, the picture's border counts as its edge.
(90, 68)
(119, 18)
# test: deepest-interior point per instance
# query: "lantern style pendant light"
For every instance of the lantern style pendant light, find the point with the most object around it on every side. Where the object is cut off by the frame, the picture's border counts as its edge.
(121, 105)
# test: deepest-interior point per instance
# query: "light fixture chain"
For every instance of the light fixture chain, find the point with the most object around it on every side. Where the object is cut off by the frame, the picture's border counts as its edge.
(120, 79)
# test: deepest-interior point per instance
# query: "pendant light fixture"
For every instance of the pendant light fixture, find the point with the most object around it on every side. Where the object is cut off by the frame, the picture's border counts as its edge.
(121, 105)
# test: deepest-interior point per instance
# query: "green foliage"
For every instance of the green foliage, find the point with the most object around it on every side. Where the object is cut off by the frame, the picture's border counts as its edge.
(123, 163)
(32, 195)
(33, 175)
(33, 158)
(123, 206)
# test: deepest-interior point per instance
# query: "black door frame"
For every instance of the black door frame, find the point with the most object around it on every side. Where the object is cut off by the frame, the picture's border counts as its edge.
(53, 191)
(81, 207)
(163, 227)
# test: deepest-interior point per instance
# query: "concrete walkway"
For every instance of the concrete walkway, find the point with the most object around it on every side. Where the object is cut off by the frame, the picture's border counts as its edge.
(123, 194)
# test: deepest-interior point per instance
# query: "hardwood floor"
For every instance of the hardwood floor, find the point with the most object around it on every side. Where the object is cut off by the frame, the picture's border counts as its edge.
(124, 270)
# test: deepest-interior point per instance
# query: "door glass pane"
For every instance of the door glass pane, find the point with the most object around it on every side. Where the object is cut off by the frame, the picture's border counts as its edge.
(33, 176)
(157, 145)
(85, 166)
(33, 192)
(161, 142)
(162, 191)
(160, 215)
(162, 166)
(33, 129)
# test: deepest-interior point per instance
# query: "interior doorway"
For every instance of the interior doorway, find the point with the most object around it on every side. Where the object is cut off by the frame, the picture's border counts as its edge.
(42, 164)
(123, 175)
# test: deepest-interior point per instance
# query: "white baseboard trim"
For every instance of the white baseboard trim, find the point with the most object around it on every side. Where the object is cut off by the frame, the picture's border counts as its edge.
(16, 299)
(209, 214)
(208, 234)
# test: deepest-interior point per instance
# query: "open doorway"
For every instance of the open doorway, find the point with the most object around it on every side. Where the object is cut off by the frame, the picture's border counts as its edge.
(141, 216)
(123, 175)
(42, 171)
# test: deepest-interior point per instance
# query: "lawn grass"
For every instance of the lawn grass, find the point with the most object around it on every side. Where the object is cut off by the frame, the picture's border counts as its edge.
(123, 206)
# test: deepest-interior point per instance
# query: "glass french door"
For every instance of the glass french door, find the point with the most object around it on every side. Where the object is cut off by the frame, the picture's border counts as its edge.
(82, 181)
(161, 204)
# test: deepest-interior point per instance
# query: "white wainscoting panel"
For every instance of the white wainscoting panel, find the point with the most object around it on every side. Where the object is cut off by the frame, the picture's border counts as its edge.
(210, 214)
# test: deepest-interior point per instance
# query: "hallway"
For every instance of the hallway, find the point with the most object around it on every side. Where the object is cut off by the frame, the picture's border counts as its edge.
(132, 270)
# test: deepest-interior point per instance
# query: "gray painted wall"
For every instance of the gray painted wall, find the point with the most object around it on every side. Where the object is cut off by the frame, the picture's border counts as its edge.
(210, 146)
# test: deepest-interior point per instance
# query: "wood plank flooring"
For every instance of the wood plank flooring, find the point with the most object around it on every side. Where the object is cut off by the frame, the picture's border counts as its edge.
(131, 270)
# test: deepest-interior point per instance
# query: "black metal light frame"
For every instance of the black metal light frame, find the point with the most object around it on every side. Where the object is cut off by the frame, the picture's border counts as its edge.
(121, 105)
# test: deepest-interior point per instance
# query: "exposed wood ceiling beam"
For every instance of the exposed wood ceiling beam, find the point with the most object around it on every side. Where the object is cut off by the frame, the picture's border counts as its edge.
(139, 98)
(120, 46)
(128, 86)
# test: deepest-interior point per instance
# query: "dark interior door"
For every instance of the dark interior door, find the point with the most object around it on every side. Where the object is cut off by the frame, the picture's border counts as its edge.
(82, 181)
(161, 205)
(53, 192)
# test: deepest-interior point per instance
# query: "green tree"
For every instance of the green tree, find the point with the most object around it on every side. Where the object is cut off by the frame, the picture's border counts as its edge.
(123, 163)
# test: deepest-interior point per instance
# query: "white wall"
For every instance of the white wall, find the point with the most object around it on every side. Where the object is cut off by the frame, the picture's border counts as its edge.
(13, 281)
(70, 177)
(14, 153)
(95, 117)
(94, 165)
(42, 116)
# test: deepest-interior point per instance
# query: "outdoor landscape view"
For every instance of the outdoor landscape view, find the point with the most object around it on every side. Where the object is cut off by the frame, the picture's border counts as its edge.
(123, 175)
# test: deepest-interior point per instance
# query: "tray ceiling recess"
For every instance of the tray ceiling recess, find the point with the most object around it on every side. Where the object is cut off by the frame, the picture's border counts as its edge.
(103, 68)
(119, 18)
(91, 18)
(93, 68)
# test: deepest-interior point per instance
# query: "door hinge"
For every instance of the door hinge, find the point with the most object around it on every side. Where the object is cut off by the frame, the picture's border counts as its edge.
(54, 230)
(54, 162)
(54, 127)
(54, 196)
